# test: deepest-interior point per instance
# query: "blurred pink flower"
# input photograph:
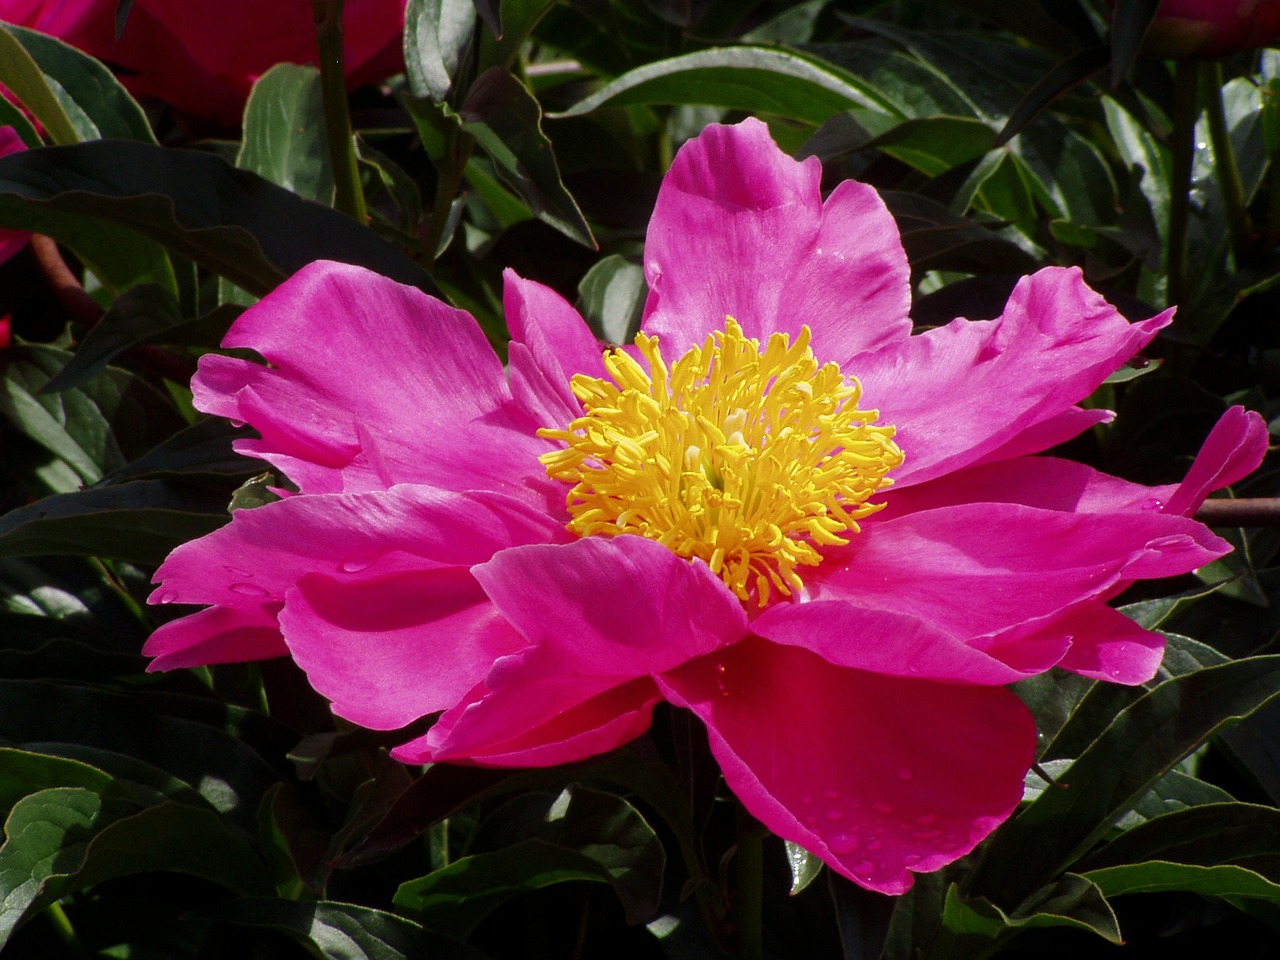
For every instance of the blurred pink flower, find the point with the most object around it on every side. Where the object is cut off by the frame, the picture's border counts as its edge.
(11, 241)
(705, 518)
(1212, 28)
(204, 57)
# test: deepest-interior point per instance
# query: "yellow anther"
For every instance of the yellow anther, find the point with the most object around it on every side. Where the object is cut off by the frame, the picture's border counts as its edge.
(748, 459)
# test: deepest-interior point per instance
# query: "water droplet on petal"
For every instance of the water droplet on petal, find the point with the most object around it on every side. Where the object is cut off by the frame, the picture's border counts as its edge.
(904, 774)
(831, 794)
(355, 564)
(925, 819)
(247, 589)
(833, 814)
(237, 423)
(873, 844)
(167, 597)
(843, 843)
(883, 808)
(1152, 504)
(863, 868)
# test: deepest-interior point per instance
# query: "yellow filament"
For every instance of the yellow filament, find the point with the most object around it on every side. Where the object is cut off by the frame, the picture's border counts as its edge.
(751, 460)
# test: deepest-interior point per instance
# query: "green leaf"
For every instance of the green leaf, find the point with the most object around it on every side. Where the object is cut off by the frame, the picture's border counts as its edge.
(343, 930)
(611, 298)
(933, 145)
(755, 79)
(237, 224)
(1139, 747)
(579, 834)
(65, 839)
(91, 98)
(506, 122)
(21, 74)
(1204, 835)
(1128, 27)
(936, 239)
(284, 133)
(1160, 877)
(1074, 902)
(203, 449)
(805, 867)
(1069, 73)
(437, 34)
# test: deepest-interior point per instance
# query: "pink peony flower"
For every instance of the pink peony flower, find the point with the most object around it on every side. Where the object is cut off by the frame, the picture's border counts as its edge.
(1212, 28)
(11, 241)
(838, 576)
(204, 57)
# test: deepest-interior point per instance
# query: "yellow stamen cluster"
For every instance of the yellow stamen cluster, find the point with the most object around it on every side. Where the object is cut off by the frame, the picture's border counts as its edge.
(750, 459)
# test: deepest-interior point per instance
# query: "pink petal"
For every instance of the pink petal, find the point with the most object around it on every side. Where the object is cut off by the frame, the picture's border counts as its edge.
(740, 229)
(1107, 645)
(597, 614)
(372, 383)
(895, 644)
(958, 393)
(550, 342)
(389, 650)
(1041, 436)
(976, 569)
(596, 725)
(1234, 449)
(11, 241)
(216, 635)
(879, 776)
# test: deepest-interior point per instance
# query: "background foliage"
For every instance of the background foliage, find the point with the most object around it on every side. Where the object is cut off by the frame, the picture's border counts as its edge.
(223, 811)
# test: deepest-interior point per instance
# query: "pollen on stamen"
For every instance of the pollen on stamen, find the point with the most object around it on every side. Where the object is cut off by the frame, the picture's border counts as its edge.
(749, 459)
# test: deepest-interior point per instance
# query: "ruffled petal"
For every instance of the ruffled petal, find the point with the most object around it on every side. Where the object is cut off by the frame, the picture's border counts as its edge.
(550, 342)
(372, 383)
(597, 614)
(1233, 450)
(1107, 645)
(976, 569)
(391, 649)
(960, 392)
(217, 635)
(740, 229)
(879, 776)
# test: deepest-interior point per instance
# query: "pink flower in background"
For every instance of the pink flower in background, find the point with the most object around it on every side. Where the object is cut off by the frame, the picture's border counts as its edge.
(1212, 28)
(827, 537)
(11, 241)
(204, 57)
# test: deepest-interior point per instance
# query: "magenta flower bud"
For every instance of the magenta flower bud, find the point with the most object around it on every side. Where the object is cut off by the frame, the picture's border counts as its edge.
(1205, 29)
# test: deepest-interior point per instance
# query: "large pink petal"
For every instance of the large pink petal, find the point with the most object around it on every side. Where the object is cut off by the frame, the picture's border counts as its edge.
(960, 392)
(217, 635)
(740, 229)
(976, 569)
(372, 383)
(879, 776)
(1232, 451)
(1107, 645)
(596, 725)
(550, 342)
(597, 614)
(1041, 436)
(391, 649)
(896, 644)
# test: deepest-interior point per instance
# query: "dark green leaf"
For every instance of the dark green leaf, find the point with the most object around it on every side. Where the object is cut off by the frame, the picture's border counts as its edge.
(506, 121)
(1143, 742)
(437, 34)
(1070, 72)
(1204, 835)
(1128, 27)
(1157, 876)
(201, 450)
(284, 133)
(611, 298)
(755, 79)
(237, 224)
(1074, 902)
(343, 930)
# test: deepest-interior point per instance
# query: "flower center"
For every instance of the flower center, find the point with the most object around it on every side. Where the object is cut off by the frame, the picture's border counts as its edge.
(749, 459)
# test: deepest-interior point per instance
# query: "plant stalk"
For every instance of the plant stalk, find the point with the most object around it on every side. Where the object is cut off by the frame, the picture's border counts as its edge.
(1185, 112)
(1224, 155)
(348, 195)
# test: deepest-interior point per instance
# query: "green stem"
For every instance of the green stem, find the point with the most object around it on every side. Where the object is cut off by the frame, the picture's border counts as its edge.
(1224, 155)
(749, 908)
(1185, 111)
(66, 932)
(349, 197)
(449, 174)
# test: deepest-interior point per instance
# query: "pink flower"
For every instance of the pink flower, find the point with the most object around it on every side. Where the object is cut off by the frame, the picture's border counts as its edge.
(1212, 28)
(204, 57)
(11, 241)
(544, 556)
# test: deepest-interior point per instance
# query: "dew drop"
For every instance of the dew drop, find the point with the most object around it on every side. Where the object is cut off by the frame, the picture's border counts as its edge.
(167, 597)
(925, 819)
(247, 589)
(909, 858)
(835, 815)
(873, 844)
(355, 564)
(237, 423)
(806, 800)
(864, 868)
(882, 808)
(904, 774)
(1152, 503)
(811, 820)
(843, 843)
(926, 834)
(831, 794)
